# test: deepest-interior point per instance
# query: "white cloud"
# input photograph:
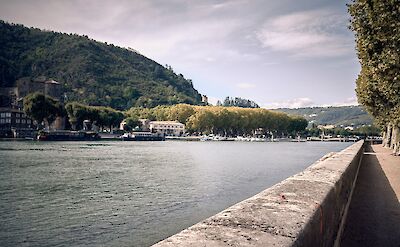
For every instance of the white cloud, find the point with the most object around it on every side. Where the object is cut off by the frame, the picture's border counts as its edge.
(347, 102)
(226, 4)
(293, 103)
(213, 100)
(222, 45)
(350, 101)
(198, 40)
(307, 102)
(245, 85)
(306, 34)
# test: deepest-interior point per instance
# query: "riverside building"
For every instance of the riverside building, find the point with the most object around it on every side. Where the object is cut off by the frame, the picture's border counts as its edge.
(13, 121)
(167, 128)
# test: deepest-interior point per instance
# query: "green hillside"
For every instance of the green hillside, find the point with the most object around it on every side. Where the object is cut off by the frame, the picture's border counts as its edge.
(343, 115)
(91, 72)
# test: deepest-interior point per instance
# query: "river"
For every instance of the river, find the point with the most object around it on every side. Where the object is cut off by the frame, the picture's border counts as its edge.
(132, 193)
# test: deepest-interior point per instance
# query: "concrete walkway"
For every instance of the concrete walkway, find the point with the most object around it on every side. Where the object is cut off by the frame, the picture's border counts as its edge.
(374, 214)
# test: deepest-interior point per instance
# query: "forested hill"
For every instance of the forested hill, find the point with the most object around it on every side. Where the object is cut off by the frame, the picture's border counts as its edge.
(343, 115)
(91, 72)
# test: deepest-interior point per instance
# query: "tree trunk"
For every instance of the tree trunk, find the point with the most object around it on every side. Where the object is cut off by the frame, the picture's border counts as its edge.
(388, 136)
(383, 138)
(395, 142)
(46, 124)
(393, 137)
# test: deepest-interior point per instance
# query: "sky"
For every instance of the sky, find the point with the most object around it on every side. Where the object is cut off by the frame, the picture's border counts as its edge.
(279, 53)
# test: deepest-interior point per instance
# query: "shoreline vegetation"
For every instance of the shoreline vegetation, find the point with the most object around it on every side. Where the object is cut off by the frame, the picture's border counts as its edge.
(218, 120)
(215, 121)
(156, 92)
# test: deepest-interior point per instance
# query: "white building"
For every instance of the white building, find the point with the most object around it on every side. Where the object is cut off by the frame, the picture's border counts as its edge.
(168, 128)
(327, 127)
(349, 128)
(204, 99)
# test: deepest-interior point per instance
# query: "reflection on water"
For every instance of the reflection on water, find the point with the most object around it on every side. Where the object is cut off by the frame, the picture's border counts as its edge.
(132, 193)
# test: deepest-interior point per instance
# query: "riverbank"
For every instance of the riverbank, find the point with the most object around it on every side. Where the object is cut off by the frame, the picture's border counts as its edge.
(117, 137)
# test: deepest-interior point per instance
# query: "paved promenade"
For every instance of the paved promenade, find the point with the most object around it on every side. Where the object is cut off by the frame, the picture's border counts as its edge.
(374, 214)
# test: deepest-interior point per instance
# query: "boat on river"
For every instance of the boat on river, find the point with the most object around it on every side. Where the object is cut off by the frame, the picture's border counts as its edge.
(142, 136)
(67, 135)
(212, 137)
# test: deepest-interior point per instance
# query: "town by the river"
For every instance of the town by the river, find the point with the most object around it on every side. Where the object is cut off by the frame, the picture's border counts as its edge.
(112, 193)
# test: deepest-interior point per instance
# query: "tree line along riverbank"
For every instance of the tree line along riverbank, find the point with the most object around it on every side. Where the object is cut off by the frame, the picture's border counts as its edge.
(227, 121)
(376, 25)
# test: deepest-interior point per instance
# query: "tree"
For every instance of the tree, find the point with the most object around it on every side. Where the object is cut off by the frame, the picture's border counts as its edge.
(131, 123)
(77, 113)
(42, 108)
(376, 24)
(297, 124)
(90, 72)
(239, 102)
(201, 121)
(180, 113)
(227, 121)
(227, 102)
(160, 113)
(109, 117)
(102, 116)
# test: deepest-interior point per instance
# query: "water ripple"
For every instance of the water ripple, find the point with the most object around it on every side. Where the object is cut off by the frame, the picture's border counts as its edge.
(132, 193)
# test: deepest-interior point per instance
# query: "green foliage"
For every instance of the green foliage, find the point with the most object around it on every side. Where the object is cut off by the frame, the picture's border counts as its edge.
(180, 113)
(41, 108)
(91, 72)
(376, 24)
(368, 131)
(227, 121)
(239, 102)
(297, 124)
(230, 121)
(131, 123)
(99, 115)
(312, 132)
(141, 112)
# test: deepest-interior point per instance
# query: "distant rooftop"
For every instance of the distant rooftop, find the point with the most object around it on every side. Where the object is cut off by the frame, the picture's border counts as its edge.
(43, 79)
(166, 122)
(51, 81)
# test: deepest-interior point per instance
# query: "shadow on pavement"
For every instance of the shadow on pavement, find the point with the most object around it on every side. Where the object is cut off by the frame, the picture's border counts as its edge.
(374, 214)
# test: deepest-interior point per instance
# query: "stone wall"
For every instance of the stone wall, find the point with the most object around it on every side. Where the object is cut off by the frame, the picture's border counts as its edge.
(306, 209)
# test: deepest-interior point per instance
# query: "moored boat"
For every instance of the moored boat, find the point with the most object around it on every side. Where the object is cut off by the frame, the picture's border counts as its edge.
(142, 136)
(67, 135)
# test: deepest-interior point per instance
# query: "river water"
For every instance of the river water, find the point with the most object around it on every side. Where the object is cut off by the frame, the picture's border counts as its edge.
(132, 193)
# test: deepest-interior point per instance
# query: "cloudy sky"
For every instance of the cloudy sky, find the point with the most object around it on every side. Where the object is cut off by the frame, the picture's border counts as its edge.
(279, 53)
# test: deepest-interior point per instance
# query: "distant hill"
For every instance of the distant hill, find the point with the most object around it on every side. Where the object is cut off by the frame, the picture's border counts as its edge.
(91, 72)
(343, 115)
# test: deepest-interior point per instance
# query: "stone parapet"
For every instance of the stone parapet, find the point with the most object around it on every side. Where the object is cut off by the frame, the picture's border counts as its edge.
(306, 209)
